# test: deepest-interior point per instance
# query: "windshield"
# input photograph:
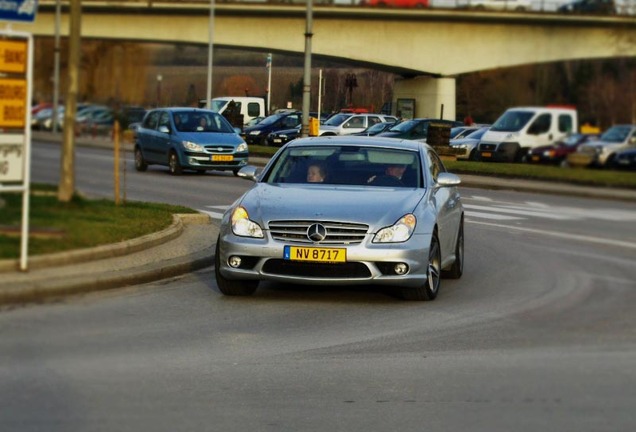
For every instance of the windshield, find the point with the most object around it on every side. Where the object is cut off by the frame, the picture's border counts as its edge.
(217, 105)
(378, 127)
(337, 120)
(512, 121)
(346, 165)
(271, 119)
(201, 121)
(405, 126)
(616, 134)
(477, 134)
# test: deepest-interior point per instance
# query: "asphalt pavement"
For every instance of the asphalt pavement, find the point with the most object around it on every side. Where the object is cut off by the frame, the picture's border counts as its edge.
(187, 245)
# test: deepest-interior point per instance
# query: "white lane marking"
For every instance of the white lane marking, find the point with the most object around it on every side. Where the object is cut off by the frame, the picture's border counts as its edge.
(589, 239)
(213, 215)
(492, 216)
(480, 198)
(517, 212)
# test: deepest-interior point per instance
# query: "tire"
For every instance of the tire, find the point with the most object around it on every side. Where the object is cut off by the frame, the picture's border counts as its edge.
(429, 290)
(140, 162)
(231, 287)
(457, 269)
(174, 166)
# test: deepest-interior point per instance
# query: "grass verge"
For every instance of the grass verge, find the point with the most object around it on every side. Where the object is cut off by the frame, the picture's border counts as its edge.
(582, 176)
(80, 223)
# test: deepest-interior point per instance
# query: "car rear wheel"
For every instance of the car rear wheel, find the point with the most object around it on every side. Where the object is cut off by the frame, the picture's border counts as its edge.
(173, 164)
(429, 290)
(457, 269)
(140, 162)
(231, 287)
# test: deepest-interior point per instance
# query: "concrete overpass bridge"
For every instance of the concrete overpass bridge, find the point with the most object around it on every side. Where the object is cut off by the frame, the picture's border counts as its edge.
(427, 47)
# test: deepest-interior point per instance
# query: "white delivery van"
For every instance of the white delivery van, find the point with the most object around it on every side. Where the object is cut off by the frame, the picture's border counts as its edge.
(521, 129)
(249, 107)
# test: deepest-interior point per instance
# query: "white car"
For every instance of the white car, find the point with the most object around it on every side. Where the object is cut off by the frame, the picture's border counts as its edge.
(348, 123)
(499, 5)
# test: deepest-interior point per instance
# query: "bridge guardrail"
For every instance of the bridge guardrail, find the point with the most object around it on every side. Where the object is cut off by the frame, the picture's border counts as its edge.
(623, 7)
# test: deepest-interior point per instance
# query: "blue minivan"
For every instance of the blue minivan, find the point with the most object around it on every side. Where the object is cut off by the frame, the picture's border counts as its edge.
(189, 138)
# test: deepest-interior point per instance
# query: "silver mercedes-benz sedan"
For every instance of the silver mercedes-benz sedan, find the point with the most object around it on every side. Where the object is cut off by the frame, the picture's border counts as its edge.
(343, 211)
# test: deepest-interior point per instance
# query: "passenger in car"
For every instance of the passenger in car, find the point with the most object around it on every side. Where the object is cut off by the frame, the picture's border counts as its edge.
(316, 173)
(392, 176)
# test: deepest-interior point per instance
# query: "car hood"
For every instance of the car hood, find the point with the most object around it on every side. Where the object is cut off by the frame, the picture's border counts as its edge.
(375, 206)
(391, 134)
(204, 138)
(463, 141)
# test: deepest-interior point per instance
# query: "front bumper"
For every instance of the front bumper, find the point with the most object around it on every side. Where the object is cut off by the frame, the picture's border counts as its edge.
(366, 263)
(214, 161)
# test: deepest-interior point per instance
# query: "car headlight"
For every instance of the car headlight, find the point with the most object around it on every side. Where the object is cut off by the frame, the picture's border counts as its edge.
(401, 231)
(243, 226)
(188, 145)
(241, 148)
(255, 133)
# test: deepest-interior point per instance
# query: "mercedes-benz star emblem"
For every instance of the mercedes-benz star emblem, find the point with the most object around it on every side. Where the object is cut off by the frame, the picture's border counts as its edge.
(316, 232)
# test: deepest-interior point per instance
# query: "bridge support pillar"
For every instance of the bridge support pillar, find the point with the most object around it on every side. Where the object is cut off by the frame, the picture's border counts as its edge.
(424, 97)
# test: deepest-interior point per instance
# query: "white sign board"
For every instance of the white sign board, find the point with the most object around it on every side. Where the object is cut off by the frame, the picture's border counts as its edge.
(11, 158)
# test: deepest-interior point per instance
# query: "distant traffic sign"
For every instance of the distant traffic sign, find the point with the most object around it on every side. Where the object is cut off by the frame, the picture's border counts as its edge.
(18, 10)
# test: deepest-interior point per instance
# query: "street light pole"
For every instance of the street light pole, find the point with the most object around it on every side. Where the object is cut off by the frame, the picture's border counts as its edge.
(56, 65)
(208, 97)
(307, 74)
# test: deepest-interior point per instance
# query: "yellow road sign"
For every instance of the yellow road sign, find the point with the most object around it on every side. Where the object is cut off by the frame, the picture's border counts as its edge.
(13, 102)
(13, 56)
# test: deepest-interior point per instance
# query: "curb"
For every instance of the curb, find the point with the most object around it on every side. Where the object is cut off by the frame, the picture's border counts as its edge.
(172, 267)
(100, 252)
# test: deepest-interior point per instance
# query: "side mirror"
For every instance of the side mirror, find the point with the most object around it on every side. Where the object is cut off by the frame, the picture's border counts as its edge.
(164, 129)
(249, 172)
(448, 179)
(237, 130)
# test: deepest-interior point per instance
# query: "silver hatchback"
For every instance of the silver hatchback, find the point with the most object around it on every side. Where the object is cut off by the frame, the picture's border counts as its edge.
(341, 211)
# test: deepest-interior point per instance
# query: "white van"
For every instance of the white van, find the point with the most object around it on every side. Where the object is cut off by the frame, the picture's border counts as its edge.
(249, 107)
(521, 129)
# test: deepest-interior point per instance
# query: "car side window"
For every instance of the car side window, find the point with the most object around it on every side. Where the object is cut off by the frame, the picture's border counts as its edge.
(150, 122)
(565, 123)
(435, 165)
(541, 124)
(374, 120)
(253, 109)
(164, 119)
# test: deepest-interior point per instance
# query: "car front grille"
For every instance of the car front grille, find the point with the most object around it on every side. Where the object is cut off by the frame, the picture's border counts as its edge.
(487, 146)
(321, 270)
(337, 233)
(211, 148)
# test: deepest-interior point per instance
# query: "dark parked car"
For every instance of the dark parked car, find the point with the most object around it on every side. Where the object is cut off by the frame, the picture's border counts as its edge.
(376, 129)
(557, 153)
(258, 133)
(188, 138)
(416, 129)
(589, 6)
(278, 138)
(625, 159)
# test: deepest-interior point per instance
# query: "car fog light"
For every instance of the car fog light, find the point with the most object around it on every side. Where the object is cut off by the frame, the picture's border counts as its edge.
(400, 269)
(234, 261)
(193, 161)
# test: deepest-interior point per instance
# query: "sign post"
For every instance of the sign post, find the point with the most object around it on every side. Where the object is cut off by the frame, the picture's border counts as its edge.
(16, 71)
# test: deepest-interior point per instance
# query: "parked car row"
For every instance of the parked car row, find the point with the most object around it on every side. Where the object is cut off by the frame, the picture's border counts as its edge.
(88, 117)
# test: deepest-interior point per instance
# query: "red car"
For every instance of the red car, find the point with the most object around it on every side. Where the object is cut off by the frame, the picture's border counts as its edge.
(397, 3)
(557, 153)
